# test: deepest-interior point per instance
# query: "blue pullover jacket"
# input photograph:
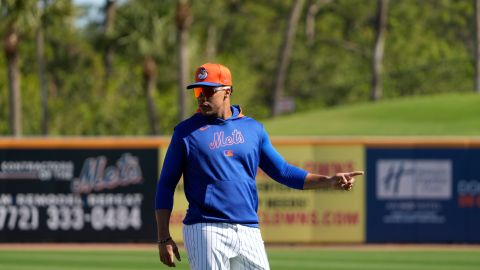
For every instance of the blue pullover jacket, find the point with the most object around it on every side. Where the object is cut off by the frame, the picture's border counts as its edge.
(219, 159)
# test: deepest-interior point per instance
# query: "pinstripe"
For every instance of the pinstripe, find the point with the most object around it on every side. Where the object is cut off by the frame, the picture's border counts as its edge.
(195, 251)
(224, 246)
(193, 234)
(265, 256)
(253, 249)
(213, 241)
(220, 243)
(237, 243)
(202, 239)
(202, 248)
(190, 245)
(203, 236)
(261, 249)
(196, 241)
(246, 263)
(196, 248)
(186, 240)
(247, 248)
(235, 240)
(256, 244)
(227, 246)
(210, 239)
(209, 247)
(205, 244)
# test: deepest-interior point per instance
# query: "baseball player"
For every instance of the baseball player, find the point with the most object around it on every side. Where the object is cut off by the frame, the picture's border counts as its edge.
(218, 151)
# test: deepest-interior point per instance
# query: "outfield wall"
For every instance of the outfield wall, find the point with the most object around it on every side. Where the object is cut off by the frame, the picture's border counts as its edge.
(102, 190)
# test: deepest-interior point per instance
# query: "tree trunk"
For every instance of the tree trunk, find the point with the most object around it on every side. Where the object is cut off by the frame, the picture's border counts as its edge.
(284, 56)
(183, 20)
(380, 28)
(477, 46)
(13, 76)
(211, 51)
(42, 77)
(149, 80)
(108, 26)
(312, 11)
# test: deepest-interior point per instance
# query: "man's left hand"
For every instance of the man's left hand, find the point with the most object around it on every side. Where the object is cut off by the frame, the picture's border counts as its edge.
(344, 181)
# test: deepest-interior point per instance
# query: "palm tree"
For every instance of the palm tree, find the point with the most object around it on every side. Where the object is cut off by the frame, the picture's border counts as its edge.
(142, 29)
(42, 73)
(380, 27)
(50, 13)
(184, 20)
(314, 7)
(108, 32)
(18, 17)
(477, 46)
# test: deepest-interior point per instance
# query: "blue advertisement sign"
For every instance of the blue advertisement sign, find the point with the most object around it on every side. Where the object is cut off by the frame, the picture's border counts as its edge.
(423, 195)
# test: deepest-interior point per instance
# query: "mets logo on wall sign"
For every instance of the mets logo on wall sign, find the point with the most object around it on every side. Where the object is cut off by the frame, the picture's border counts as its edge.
(202, 74)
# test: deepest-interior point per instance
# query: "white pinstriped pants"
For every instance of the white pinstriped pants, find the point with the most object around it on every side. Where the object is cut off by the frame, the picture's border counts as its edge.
(224, 246)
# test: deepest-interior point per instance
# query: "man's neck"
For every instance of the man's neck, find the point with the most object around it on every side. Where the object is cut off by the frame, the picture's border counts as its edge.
(227, 112)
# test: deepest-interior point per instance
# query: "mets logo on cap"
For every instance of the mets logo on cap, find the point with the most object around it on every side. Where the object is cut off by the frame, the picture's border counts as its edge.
(202, 73)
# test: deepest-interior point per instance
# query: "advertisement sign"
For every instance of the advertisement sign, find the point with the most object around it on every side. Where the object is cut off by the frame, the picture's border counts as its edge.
(297, 216)
(423, 195)
(77, 195)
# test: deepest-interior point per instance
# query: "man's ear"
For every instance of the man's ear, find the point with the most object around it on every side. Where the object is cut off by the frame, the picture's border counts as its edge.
(228, 93)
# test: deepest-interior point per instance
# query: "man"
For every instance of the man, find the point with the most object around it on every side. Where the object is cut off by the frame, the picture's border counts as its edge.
(218, 151)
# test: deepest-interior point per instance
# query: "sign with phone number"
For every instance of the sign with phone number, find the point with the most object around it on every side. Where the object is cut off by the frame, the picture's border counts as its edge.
(80, 195)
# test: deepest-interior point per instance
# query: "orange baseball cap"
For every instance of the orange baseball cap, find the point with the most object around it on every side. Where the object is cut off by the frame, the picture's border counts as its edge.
(210, 74)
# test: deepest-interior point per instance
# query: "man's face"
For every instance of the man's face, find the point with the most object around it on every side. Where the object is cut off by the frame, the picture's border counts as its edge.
(211, 100)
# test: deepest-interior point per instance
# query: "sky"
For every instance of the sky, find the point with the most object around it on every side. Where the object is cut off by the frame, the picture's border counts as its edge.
(90, 2)
(94, 11)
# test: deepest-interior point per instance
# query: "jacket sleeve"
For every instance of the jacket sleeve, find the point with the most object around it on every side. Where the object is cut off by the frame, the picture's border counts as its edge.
(273, 164)
(171, 172)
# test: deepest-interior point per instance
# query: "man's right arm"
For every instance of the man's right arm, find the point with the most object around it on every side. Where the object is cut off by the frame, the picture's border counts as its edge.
(163, 220)
(169, 177)
(171, 172)
(167, 247)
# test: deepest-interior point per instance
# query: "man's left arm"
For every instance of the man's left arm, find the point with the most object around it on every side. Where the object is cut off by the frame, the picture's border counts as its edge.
(341, 181)
(280, 170)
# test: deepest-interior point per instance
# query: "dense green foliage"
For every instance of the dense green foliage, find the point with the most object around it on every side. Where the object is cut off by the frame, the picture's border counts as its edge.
(435, 115)
(313, 258)
(429, 49)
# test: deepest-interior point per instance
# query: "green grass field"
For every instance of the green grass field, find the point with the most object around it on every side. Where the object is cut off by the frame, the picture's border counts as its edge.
(438, 115)
(447, 258)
